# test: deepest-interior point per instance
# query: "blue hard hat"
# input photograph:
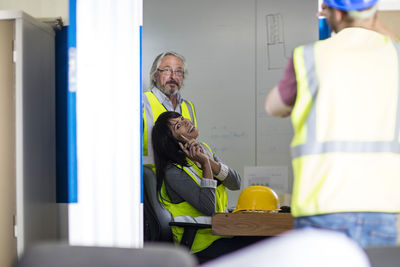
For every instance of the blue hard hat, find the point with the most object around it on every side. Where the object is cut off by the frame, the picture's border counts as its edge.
(348, 5)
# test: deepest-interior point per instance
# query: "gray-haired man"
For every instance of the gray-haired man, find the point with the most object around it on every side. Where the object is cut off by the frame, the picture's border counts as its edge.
(166, 79)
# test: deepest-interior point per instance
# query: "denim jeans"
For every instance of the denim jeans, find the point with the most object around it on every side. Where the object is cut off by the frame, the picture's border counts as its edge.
(368, 229)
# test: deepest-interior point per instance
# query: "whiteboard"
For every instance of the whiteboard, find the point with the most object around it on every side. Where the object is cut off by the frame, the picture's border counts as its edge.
(225, 42)
(281, 26)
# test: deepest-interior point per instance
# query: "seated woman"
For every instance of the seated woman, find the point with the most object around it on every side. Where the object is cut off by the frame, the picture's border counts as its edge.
(191, 182)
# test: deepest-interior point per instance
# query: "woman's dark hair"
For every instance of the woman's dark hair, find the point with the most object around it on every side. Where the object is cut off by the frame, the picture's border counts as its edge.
(165, 147)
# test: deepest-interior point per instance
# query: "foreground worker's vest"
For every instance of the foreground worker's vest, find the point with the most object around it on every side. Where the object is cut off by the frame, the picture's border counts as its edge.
(184, 212)
(151, 110)
(346, 120)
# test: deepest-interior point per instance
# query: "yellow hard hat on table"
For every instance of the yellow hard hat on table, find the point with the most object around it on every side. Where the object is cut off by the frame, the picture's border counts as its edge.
(258, 198)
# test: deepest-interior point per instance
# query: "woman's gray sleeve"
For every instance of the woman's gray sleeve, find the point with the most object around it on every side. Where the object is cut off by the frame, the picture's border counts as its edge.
(233, 180)
(181, 187)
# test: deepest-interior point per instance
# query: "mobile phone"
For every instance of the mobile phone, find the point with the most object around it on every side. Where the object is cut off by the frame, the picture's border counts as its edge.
(184, 138)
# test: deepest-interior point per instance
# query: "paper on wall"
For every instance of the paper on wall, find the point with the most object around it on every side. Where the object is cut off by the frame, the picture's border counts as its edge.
(275, 177)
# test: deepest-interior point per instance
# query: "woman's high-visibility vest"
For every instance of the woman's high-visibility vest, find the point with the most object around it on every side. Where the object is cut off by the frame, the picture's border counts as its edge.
(346, 120)
(184, 212)
(154, 109)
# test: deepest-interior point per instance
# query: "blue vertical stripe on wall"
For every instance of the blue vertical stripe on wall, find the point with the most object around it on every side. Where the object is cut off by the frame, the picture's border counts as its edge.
(71, 106)
(141, 114)
(61, 115)
(324, 29)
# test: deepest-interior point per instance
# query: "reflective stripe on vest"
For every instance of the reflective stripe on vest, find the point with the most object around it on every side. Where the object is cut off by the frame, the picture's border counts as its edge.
(342, 161)
(311, 147)
(189, 219)
(152, 109)
(184, 212)
(188, 111)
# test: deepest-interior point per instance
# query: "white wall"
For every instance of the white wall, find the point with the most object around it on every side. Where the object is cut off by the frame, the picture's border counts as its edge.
(389, 5)
(39, 8)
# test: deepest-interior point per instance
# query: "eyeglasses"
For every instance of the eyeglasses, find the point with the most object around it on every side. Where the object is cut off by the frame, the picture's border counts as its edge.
(169, 71)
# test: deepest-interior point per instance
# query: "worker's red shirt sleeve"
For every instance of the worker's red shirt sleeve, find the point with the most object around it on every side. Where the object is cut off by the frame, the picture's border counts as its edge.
(287, 86)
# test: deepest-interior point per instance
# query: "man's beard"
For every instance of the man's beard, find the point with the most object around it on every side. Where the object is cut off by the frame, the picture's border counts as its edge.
(166, 91)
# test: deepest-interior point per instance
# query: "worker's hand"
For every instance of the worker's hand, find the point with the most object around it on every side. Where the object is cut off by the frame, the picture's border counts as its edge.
(194, 151)
(193, 142)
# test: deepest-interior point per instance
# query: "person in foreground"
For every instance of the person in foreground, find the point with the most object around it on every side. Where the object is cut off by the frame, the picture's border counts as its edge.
(192, 182)
(343, 97)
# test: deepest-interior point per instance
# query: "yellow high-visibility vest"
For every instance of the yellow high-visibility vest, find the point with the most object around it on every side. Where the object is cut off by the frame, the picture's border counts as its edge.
(346, 120)
(152, 104)
(184, 212)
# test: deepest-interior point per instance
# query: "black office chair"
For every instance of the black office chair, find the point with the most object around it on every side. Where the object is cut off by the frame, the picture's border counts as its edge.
(158, 220)
(156, 217)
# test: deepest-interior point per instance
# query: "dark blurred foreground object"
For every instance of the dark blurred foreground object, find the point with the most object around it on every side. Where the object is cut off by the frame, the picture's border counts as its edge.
(62, 255)
(384, 256)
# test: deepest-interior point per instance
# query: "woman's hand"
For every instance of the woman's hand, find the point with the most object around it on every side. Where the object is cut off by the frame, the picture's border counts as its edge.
(194, 151)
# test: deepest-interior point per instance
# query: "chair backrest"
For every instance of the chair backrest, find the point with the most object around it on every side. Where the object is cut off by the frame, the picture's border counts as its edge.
(156, 217)
(63, 255)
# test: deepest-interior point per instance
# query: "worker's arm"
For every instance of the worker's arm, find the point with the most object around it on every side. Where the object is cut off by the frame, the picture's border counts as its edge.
(281, 98)
(228, 176)
(275, 106)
